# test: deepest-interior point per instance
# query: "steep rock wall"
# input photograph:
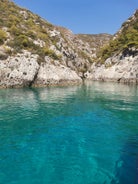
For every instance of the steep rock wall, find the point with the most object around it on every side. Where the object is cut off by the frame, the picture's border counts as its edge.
(120, 68)
(23, 70)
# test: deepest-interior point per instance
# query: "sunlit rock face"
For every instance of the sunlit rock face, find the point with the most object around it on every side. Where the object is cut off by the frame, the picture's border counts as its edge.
(33, 52)
(119, 68)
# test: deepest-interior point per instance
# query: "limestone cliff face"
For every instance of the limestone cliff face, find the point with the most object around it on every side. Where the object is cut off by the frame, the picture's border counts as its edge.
(95, 41)
(34, 52)
(19, 70)
(23, 70)
(119, 68)
(118, 60)
(56, 75)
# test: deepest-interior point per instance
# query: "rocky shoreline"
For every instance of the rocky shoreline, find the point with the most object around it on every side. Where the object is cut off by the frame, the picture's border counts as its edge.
(51, 55)
(119, 68)
(24, 71)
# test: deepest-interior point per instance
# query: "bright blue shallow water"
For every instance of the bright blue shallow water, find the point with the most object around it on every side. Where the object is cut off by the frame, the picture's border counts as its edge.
(69, 135)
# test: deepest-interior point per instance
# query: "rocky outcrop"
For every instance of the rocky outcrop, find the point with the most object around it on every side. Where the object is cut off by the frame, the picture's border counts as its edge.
(18, 71)
(56, 75)
(120, 68)
(35, 52)
(118, 60)
(23, 70)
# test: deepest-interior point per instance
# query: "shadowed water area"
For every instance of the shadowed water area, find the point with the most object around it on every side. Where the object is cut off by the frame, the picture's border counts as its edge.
(85, 134)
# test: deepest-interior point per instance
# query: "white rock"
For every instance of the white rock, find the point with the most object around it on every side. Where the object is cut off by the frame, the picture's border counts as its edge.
(125, 70)
(18, 71)
(51, 75)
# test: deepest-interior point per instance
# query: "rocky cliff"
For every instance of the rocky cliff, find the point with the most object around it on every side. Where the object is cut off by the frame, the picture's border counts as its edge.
(118, 60)
(95, 42)
(119, 68)
(33, 52)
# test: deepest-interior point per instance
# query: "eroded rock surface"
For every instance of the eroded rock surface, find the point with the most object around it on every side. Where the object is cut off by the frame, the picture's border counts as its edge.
(119, 68)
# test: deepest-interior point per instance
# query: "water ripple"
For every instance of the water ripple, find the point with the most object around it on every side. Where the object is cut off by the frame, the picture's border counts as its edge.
(85, 134)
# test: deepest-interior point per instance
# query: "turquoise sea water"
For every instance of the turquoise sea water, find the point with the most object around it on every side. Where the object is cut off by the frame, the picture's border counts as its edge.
(84, 134)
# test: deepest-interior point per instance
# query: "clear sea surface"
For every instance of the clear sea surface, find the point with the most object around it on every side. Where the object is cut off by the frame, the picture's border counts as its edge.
(85, 134)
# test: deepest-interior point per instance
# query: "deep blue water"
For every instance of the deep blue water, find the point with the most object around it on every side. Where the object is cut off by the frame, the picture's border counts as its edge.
(85, 134)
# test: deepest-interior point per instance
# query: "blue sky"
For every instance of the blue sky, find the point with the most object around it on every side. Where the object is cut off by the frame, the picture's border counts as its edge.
(83, 16)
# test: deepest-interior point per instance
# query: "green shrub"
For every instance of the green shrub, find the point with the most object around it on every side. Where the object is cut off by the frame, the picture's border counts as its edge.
(14, 30)
(1, 22)
(31, 34)
(14, 19)
(21, 42)
(52, 54)
(43, 36)
(3, 36)
(30, 22)
(8, 51)
(127, 38)
(42, 52)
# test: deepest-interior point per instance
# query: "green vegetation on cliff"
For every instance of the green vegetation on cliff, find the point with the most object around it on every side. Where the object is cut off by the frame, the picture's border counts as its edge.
(95, 40)
(127, 37)
(3, 36)
(20, 29)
